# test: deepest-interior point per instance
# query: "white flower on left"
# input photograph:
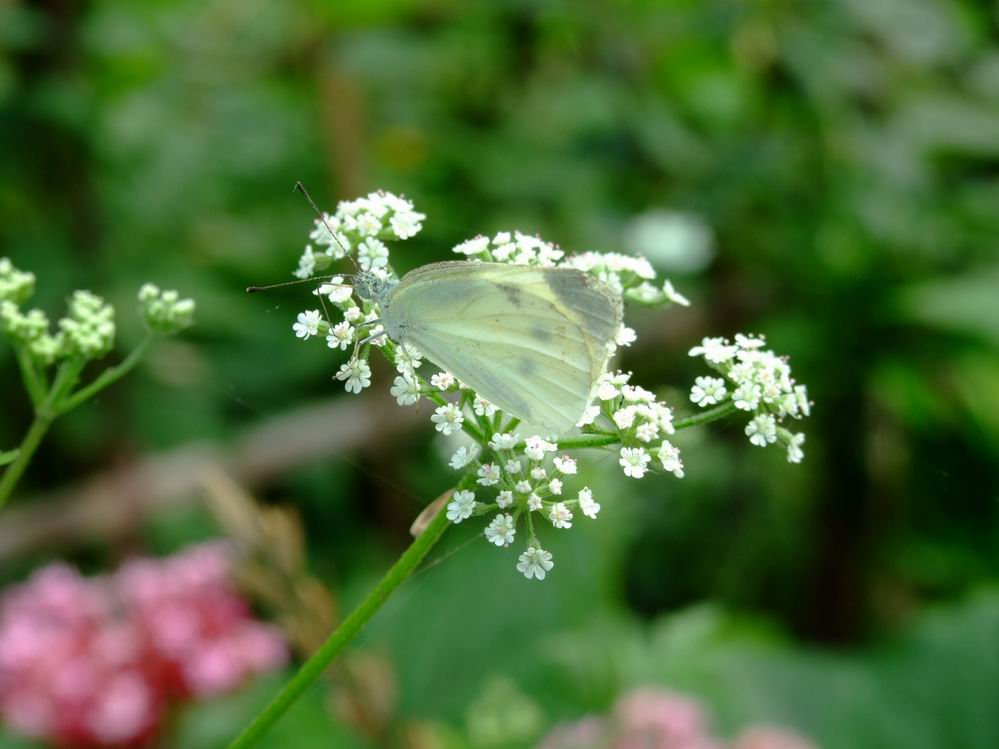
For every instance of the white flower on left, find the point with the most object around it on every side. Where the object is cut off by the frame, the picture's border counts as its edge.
(308, 324)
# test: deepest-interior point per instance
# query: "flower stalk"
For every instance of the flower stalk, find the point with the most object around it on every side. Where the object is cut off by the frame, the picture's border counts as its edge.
(349, 628)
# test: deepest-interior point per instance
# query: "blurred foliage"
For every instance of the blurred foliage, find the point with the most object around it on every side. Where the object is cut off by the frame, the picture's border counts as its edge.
(844, 154)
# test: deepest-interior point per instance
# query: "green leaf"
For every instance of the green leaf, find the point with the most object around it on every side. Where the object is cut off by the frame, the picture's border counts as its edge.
(8, 457)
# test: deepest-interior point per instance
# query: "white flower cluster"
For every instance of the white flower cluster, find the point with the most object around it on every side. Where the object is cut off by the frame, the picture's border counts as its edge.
(630, 275)
(164, 311)
(754, 380)
(360, 227)
(511, 247)
(516, 481)
(638, 420)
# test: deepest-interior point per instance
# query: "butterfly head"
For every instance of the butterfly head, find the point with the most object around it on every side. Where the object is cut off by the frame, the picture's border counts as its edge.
(371, 286)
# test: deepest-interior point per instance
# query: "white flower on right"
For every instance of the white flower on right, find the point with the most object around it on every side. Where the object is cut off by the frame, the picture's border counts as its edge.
(560, 515)
(587, 505)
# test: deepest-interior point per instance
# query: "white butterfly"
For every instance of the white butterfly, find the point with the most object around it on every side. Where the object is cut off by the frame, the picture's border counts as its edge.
(532, 341)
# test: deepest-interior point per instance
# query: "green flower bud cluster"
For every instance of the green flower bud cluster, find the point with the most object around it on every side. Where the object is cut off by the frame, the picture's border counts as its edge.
(15, 286)
(164, 311)
(89, 328)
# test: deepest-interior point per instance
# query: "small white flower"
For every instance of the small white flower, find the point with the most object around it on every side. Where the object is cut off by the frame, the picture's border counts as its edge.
(504, 499)
(489, 474)
(626, 336)
(707, 391)
(669, 456)
(461, 506)
(308, 324)
(762, 430)
(534, 502)
(749, 341)
(715, 350)
(565, 465)
(746, 397)
(442, 380)
(368, 225)
(647, 432)
(406, 224)
(560, 515)
(538, 473)
(586, 504)
(535, 447)
(794, 452)
(634, 461)
(406, 390)
(513, 467)
(607, 389)
(336, 290)
(801, 395)
(523, 487)
(463, 456)
(473, 246)
(503, 441)
(352, 314)
(501, 530)
(482, 407)
(355, 374)
(673, 295)
(589, 416)
(535, 563)
(555, 486)
(447, 419)
(372, 253)
(340, 336)
(637, 394)
(624, 417)
(306, 264)
(407, 358)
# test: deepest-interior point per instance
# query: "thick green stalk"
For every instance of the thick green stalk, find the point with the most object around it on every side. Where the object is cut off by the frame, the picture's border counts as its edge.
(29, 444)
(45, 414)
(349, 628)
(712, 414)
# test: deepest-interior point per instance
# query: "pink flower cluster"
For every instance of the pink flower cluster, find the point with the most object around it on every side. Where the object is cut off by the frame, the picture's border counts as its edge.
(659, 719)
(98, 662)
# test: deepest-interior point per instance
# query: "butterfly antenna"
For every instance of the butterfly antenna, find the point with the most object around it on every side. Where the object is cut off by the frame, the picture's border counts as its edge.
(324, 279)
(322, 217)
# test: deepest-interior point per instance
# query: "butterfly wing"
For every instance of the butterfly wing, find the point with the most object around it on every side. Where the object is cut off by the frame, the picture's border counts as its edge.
(532, 341)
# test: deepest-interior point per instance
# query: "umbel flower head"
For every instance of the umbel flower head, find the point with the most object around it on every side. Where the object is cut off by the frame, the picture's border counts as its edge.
(88, 329)
(523, 481)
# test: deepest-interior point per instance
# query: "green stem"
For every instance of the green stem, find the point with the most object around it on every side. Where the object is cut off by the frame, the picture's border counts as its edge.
(586, 440)
(105, 378)
(45, 414)
(704, 417)
(33, 380)
(349, 628)
(29, 444)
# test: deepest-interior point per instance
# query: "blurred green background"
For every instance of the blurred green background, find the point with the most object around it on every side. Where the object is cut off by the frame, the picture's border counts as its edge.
(845, 155)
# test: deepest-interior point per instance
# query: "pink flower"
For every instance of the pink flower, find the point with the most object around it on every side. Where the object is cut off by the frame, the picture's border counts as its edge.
(95, 662)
